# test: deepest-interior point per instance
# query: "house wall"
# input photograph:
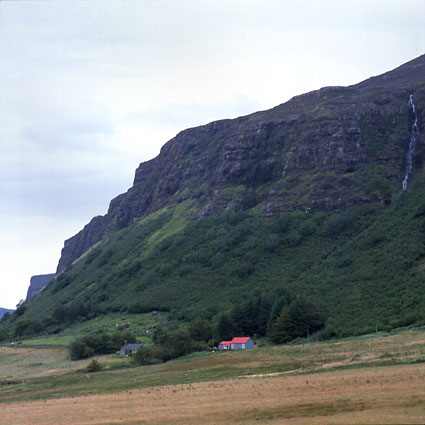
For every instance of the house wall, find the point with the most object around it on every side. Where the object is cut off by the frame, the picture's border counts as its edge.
(249, 344)
(240, 346)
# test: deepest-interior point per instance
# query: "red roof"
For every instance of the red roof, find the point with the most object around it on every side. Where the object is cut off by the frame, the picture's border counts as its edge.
(225, 343)
(240, 340)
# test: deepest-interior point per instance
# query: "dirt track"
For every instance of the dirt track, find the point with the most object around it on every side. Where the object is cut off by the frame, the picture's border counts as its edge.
(376, 396)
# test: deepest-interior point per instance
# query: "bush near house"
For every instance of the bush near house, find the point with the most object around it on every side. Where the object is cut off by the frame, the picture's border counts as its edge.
(98, 343)
(168, 345)
(94, 366)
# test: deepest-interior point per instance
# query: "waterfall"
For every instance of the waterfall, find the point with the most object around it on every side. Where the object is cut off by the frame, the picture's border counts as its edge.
(412, 144)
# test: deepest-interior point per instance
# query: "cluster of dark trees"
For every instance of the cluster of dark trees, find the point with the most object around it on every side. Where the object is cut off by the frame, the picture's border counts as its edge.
(167, 345)
(171, 343)
(99, 343)
(279, 316)
(61, 317)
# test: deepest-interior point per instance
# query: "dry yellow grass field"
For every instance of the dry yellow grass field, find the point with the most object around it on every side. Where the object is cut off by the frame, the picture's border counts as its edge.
(383, 395)
(34, 362)
(354, 381)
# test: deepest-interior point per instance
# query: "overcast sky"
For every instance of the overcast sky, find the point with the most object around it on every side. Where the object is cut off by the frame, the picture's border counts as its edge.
(89, 89)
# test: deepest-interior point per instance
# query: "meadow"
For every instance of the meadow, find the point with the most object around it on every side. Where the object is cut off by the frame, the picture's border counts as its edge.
(377, 379)
(141, 325)
(386, 395)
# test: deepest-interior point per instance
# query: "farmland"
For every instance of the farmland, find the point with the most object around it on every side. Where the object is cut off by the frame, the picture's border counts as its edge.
(380, 379)
(383, 395)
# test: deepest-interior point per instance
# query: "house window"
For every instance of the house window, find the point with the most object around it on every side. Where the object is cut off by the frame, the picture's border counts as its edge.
(243, 346)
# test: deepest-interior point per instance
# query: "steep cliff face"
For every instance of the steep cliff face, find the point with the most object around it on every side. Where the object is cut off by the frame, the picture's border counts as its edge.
(37, 283)
(324, 150)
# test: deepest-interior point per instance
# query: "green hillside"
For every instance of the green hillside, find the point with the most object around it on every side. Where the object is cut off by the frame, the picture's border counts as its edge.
(299, 206)
(362, 268)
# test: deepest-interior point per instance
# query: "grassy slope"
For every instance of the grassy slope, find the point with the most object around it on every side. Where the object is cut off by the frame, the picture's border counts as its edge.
(364, 268)
(142, 325)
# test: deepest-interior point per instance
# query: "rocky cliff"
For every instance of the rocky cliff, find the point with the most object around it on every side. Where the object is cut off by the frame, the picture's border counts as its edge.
(37, 283)
(324, 150)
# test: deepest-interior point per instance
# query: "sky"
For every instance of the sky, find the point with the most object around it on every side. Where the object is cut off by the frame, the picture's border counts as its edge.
(89, 89)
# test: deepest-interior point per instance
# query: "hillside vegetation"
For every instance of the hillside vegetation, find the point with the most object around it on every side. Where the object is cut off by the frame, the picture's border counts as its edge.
(363, 267)
(292, 218)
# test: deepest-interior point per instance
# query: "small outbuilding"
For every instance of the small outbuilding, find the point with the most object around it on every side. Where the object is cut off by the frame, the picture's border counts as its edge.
(237, 343)
(224, 345)
(129, 349)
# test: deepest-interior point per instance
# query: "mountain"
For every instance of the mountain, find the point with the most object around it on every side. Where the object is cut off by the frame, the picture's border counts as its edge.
(4, 310)
(321, 196)
(325, 150)
(37, 283)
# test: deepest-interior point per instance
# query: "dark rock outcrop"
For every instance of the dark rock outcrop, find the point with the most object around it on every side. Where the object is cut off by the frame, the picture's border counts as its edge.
(37, 283)
(324, 150)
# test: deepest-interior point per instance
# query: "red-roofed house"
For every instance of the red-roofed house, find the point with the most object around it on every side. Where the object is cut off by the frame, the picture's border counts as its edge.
(224, 345)
(237, 343)
(241, 343)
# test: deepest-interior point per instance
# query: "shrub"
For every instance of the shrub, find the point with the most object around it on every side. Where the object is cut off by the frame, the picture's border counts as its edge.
(3, 335)
(272, 242)
(175, 344)
(307, 228)
(28, 327)
(146, 355)
(244, 269)
(98, 343)
(94, 366)
(78, 349)
(338, 223)
(294, 238)
(168, 345)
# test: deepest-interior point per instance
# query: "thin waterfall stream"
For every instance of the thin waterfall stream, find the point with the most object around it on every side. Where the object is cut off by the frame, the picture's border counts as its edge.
(412, 144)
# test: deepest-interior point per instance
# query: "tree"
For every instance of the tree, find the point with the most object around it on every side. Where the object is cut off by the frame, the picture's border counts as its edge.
(264, 308)
(3, 335)
(98, 343)
(282, 330)
(280, 299)
(118, 339)
(60, 313)
(78, 349)
(200, 330)
(27, 327)
(225, 327)
(305, 317)
(176, 344)
(146, 355)
(244, 317)
(6, 317)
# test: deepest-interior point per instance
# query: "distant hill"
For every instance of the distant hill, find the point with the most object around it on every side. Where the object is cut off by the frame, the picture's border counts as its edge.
(322, 196)
(5, 310)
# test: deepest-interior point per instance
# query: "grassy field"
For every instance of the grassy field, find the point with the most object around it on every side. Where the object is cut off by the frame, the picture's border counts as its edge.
(140, 324)
(386, 395)
(51, 362)
(363, 380)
